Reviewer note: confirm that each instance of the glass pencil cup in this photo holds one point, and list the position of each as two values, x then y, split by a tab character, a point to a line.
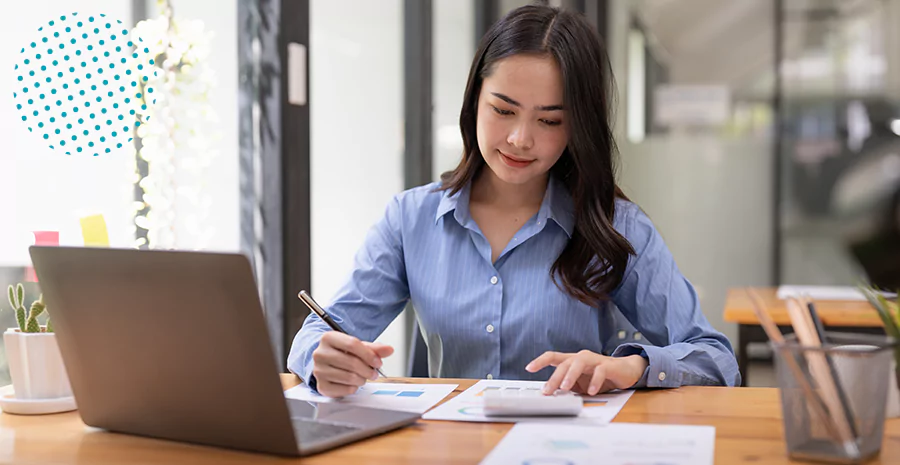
834	397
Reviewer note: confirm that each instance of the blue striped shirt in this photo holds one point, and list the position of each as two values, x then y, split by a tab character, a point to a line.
488	320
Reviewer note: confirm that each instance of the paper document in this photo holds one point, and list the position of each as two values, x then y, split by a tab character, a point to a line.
613	444
847	293
821	292
416	398
469	405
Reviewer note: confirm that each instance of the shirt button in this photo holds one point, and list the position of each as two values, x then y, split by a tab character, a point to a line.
494	280
662	376
490	328
622	334
637	336
490	376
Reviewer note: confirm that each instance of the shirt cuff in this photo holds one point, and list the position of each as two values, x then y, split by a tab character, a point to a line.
304	368
661	371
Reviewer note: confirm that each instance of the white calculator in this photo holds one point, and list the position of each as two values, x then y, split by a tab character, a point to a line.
530	402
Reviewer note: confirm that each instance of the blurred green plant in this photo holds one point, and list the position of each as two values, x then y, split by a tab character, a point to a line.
889	312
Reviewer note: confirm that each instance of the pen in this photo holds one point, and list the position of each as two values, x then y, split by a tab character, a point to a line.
315	308
820	328
823	339
822	371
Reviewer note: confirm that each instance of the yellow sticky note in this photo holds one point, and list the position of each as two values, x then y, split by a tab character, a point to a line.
93	228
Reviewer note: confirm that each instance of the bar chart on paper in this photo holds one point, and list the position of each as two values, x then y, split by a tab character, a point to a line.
416	398
469	406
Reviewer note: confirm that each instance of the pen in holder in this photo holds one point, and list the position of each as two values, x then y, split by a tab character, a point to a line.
846	377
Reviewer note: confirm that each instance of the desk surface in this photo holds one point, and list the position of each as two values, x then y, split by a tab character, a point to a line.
747	420
738	309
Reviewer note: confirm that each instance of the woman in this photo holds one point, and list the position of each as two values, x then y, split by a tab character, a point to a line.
513	260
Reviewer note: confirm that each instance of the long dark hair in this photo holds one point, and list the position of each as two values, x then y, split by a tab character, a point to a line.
593	262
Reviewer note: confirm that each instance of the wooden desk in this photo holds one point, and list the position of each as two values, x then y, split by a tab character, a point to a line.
841	316
747	420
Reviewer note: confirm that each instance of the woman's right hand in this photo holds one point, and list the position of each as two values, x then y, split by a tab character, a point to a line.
343	363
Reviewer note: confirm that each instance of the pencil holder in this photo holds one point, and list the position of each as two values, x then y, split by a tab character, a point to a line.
834	397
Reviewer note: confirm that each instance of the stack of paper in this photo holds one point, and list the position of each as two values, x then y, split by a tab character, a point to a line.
845	293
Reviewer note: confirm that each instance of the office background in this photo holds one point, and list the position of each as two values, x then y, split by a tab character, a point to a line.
753	177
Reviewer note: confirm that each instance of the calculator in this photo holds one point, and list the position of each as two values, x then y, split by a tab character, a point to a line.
530	402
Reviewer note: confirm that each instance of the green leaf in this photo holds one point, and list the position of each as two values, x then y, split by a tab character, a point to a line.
886	305
20	318
32	326
21	291
36	309
896	307
876	300
12	297
49	325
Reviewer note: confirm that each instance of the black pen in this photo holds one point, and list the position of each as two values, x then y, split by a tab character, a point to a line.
820	328
315	308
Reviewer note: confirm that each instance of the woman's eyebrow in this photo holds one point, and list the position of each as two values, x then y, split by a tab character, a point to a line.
517	104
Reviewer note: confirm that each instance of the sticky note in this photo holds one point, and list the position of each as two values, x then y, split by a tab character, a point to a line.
46	238
93	228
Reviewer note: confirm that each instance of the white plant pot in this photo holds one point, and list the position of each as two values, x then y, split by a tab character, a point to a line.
35	365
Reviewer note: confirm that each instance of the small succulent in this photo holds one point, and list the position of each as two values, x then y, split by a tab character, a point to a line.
29	323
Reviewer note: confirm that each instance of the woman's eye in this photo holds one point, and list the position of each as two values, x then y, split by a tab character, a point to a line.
550	122
501	112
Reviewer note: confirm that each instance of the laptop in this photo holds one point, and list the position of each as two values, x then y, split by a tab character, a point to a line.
173	345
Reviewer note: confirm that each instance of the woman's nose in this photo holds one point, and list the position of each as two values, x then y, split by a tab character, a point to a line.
521	138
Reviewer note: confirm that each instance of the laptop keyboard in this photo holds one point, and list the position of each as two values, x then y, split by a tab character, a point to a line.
311	430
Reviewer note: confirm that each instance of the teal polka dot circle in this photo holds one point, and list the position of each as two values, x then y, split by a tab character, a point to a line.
75	67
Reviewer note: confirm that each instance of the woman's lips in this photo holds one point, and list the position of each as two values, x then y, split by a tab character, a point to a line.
514	162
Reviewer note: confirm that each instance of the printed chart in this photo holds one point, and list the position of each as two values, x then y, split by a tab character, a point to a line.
416	398
613	444
469	406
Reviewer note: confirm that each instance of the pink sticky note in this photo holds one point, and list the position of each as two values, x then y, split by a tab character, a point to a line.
50	238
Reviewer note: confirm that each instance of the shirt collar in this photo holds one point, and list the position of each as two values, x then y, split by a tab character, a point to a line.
458	203
556	206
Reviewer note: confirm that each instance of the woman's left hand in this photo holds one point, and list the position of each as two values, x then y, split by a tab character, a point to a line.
589	373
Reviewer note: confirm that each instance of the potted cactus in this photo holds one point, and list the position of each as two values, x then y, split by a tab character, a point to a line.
35	364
